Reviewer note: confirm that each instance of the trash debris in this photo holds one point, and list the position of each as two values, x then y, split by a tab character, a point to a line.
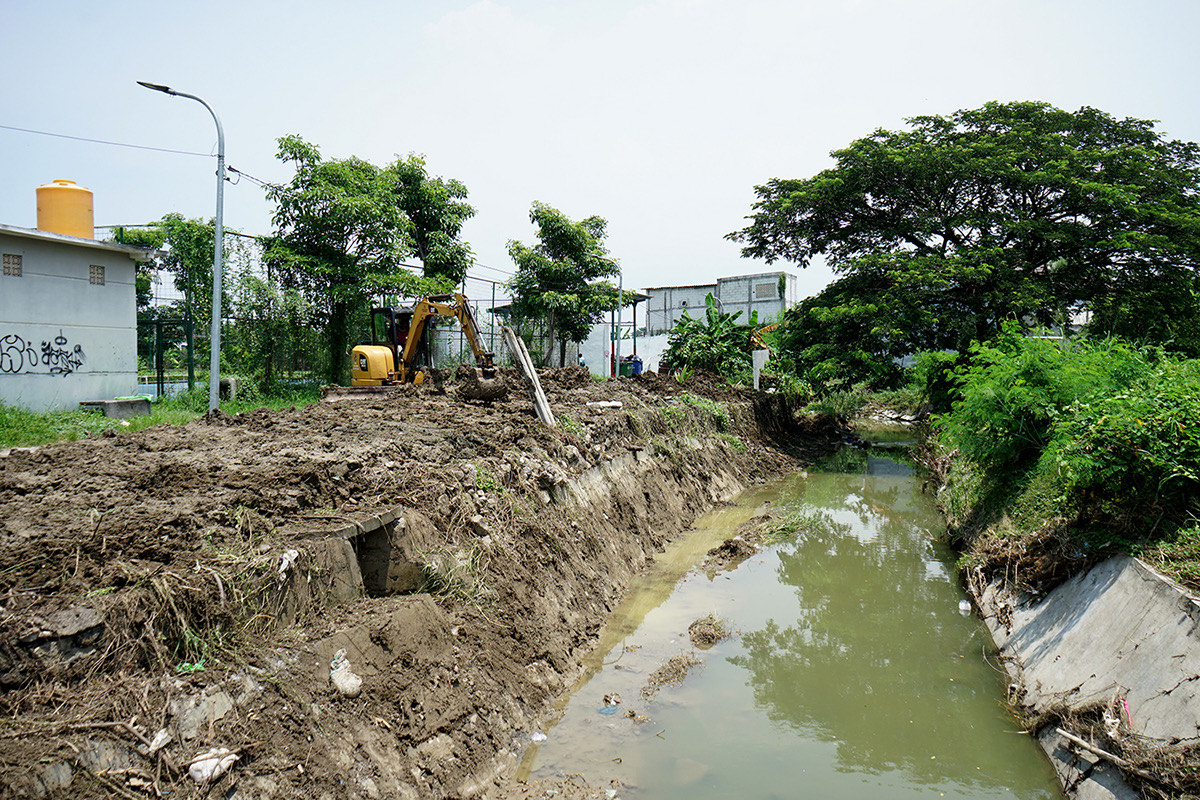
538	737
607	711
612	699
606	404
286	561
347	683
964	607
207	767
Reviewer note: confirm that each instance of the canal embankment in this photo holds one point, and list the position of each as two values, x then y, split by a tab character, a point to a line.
1110	657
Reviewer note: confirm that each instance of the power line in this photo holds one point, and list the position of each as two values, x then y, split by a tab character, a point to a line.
102	141
259	181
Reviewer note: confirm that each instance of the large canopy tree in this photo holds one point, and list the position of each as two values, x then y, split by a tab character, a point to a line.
558	279
437	210
1012	211
340	235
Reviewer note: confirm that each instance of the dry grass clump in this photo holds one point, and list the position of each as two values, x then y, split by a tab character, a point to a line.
1159	770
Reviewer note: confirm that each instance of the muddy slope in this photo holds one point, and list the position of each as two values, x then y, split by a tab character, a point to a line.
172	592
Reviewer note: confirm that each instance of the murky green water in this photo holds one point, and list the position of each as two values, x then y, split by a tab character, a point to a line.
853	673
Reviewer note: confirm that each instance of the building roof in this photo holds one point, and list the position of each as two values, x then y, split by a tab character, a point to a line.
135	253
506	309
773	274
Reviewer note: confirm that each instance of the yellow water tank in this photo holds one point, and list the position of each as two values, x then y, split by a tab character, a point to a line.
65	207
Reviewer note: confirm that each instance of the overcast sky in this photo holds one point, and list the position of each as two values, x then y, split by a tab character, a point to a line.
659	115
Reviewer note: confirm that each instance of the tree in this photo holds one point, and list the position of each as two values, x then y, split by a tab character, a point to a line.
436	209
340	234
558	278
187	255
714	342
1015	211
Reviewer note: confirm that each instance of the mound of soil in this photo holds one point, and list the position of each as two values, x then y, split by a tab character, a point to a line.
707	631
672	672
184	588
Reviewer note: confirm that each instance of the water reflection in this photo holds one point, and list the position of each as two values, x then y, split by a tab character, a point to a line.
875	656
853	675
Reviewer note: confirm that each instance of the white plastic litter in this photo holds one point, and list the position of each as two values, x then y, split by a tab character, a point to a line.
606	403
346	682
538	737
207	767
964	608
286	561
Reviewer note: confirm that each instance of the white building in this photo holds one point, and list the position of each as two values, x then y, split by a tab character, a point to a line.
68	319
768	293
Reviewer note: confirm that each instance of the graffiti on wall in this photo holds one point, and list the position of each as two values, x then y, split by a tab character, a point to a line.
57	357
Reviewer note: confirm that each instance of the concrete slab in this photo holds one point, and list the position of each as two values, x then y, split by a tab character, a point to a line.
122	408
1121	630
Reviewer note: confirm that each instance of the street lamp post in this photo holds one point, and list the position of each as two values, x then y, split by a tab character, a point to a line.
214	362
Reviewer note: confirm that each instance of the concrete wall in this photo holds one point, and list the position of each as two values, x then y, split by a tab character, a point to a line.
760	292
667	304
1122	631
62	338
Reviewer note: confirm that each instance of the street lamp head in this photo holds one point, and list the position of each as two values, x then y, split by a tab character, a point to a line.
158	87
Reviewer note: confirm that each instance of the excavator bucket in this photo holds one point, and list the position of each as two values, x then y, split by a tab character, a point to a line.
477	384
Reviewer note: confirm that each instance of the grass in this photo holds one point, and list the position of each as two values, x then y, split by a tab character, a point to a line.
719	413
20	427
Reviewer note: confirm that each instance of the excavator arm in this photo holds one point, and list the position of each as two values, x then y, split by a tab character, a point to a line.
486	386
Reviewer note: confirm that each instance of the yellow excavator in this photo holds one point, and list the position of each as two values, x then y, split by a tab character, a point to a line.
397	341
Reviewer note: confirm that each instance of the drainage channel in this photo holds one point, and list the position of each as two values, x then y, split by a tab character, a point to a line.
852	671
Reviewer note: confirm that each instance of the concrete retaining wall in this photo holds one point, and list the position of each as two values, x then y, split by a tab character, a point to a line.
1121	629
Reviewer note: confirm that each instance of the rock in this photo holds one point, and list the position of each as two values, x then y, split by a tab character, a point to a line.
478	527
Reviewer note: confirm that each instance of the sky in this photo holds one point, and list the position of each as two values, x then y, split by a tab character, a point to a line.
659	115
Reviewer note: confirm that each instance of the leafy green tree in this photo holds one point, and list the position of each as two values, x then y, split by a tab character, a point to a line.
1016	211
714	342
437	210
340	234
557	279
187	255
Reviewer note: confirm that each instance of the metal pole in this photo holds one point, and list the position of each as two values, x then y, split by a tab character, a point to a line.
214	363
617	343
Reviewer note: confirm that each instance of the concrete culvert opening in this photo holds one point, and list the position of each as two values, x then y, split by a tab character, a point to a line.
383	549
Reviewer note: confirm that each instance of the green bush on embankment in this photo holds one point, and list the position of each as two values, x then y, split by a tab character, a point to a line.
1055	454
20	427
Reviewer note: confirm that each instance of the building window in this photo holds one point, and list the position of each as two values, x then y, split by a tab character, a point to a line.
96	274
764	291
12	265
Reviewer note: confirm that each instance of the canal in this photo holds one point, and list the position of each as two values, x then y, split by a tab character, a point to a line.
851	670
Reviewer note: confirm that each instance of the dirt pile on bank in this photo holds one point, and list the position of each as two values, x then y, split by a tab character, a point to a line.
180	589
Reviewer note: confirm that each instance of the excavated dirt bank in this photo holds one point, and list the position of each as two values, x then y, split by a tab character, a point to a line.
168	593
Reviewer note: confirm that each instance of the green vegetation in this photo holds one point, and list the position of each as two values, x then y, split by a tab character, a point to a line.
20	427
1009	212
716	411
559	279
341	236
714	342
1057	453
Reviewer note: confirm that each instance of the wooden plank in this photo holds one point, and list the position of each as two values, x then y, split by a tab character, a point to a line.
521	355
